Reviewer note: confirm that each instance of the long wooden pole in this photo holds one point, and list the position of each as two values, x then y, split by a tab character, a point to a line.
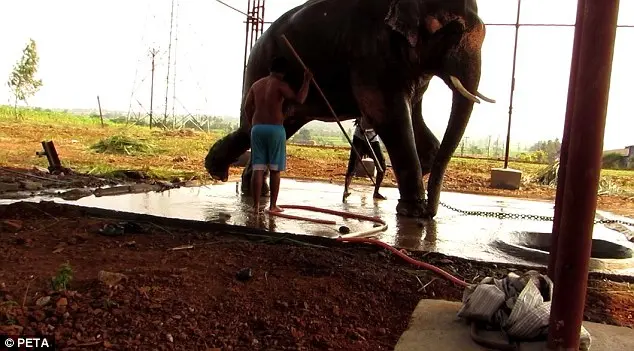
332	111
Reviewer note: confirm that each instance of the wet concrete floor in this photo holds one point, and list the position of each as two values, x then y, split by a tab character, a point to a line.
451	233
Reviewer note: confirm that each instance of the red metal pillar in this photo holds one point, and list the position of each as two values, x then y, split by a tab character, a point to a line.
584	168
565	140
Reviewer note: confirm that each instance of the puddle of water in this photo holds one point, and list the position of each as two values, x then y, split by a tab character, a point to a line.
450	233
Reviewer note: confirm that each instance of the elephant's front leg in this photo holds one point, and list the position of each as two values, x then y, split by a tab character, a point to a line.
390	115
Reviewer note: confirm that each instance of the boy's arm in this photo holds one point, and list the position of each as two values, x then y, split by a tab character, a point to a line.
303	91
249	108
301	95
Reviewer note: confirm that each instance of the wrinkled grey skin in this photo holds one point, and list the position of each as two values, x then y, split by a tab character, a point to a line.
375	58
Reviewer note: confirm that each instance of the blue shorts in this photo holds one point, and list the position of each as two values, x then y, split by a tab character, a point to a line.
268	147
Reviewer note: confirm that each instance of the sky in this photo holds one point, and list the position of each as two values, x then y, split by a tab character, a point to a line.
101	47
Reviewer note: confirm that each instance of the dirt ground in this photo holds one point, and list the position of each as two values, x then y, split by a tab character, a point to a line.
133	291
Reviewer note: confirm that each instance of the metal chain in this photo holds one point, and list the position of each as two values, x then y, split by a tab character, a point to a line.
506	215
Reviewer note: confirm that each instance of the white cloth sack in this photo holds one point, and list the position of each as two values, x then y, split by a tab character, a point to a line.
519	306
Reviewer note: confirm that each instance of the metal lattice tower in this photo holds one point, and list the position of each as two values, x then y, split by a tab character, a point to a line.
254	28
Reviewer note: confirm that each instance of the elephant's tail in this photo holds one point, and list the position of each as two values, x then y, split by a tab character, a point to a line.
224	152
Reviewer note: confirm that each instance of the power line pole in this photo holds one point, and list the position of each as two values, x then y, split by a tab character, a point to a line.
169	58
153	53
489	147
174	80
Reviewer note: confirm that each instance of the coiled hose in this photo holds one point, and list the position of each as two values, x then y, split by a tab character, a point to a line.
356	237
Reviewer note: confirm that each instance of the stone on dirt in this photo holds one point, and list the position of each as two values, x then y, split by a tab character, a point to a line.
75	194
43	301
4	187
31	186
244	274
110	278
41	169
506	178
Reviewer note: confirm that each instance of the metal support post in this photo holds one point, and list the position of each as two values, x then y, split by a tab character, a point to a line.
565	141
584	167
508	130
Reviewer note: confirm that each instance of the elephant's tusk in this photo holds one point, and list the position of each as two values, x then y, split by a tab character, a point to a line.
478	94
461	89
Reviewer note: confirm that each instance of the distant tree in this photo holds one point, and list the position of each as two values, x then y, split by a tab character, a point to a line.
550	148
475	150
303	135
614	161
22	81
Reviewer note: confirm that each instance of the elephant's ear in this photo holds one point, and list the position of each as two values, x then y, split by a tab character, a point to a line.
404	16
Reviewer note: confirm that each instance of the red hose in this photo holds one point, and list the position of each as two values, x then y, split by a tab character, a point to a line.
407	259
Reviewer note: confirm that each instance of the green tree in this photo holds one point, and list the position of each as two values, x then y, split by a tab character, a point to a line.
550	148
303	135
22	81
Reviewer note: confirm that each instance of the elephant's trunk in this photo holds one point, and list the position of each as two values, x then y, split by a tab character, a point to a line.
226	151
461	109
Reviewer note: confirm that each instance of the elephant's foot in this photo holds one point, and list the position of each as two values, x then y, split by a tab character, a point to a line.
246	189
412	208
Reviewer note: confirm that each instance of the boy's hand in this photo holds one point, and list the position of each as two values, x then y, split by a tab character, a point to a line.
307	76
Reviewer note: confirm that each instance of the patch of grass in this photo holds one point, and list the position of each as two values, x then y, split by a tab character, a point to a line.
123	145
74	135
181	153
63	278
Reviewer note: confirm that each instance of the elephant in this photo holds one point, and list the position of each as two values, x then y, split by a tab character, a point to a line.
375	59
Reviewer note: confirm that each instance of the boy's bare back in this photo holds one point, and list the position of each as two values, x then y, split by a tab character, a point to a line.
268	96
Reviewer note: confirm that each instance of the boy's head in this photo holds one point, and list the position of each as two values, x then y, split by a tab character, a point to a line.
279	65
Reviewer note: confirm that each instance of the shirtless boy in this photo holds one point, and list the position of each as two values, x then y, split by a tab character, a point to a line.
263	108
